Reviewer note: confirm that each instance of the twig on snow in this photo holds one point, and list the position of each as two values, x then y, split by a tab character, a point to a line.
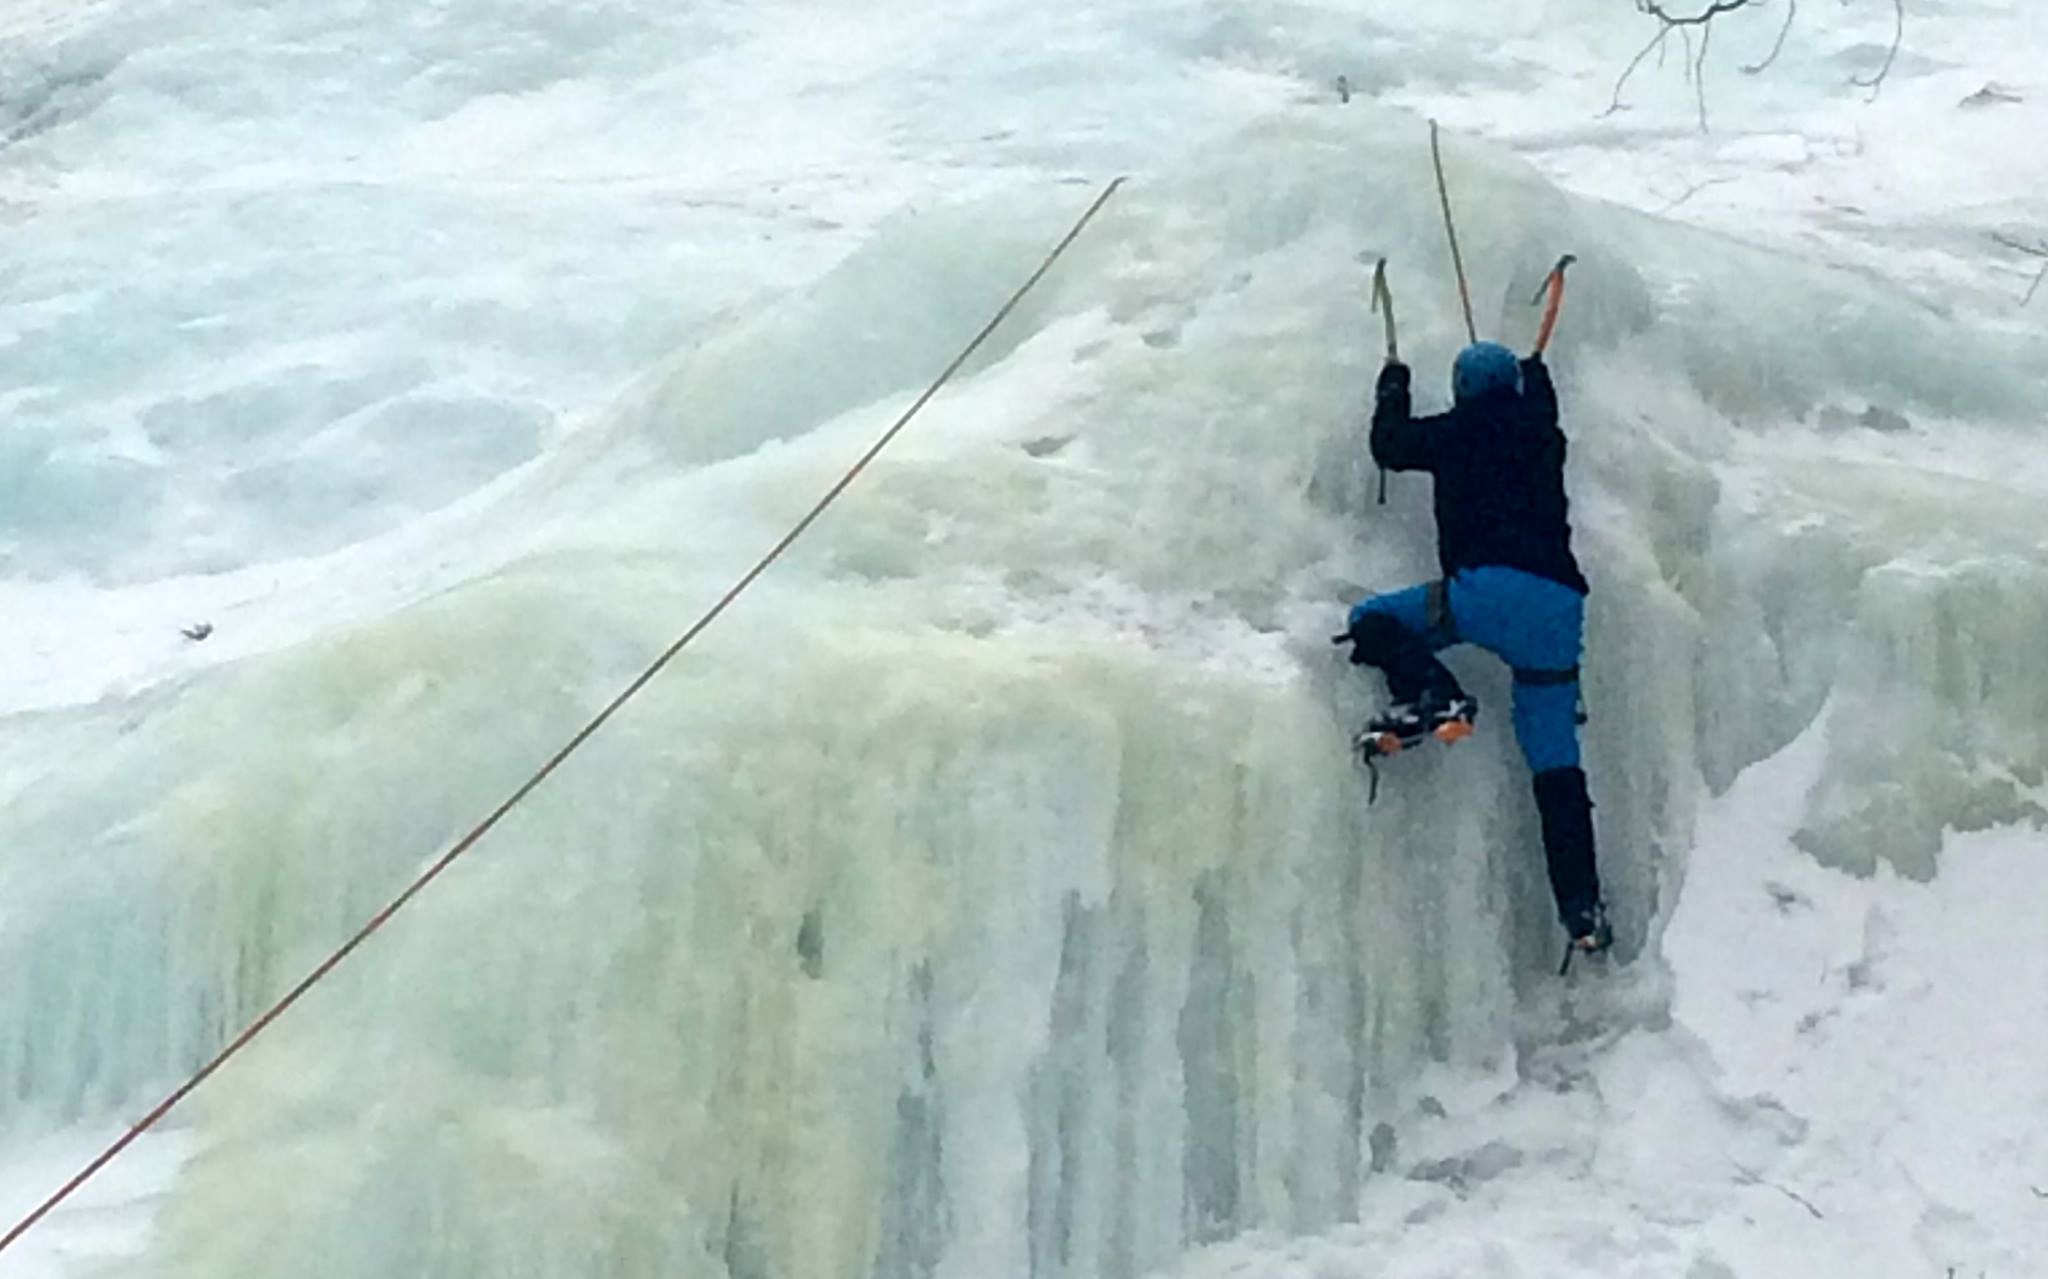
1799	1199
1748	1178
2039	250
1695	189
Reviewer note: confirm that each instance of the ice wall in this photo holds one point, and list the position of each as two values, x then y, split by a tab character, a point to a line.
990	894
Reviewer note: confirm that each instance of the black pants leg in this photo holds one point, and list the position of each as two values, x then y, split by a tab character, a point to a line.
1567	813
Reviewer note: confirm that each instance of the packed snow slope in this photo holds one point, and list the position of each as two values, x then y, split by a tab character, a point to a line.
990	893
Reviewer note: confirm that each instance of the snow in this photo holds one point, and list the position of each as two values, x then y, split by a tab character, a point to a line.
988	894
1849	1082
108	1219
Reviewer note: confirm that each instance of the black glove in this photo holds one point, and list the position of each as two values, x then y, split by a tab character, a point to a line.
1393	377
1351	637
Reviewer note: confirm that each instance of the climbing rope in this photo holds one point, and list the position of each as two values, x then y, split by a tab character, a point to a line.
483	827
1443	191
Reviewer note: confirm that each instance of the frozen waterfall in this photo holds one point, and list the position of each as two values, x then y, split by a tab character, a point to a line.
991	894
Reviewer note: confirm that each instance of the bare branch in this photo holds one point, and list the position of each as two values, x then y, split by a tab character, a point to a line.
1695	189
2039	250
1799	1199
1701	19
1695	58
1656	43
1699	73
1876	83
1791	12
1748	1177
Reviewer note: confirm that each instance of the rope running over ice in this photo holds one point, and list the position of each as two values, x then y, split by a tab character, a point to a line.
1443	191
482	828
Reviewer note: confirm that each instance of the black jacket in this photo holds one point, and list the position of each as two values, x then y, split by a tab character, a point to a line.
1499	467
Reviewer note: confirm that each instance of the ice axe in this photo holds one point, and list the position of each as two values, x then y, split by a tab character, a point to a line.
1553	286
1383	299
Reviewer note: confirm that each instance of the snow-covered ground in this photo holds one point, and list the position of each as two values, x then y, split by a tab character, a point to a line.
109	1217
433	353
1848	1083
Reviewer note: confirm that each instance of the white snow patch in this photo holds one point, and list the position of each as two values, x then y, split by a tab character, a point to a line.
109	1217
1850	1086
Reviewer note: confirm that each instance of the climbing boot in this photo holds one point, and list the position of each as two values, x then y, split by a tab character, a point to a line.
1447	718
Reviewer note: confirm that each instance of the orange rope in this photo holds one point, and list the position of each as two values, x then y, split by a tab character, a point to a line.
1443	190
482	828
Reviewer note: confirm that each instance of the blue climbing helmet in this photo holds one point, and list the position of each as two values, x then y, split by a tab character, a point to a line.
1483	368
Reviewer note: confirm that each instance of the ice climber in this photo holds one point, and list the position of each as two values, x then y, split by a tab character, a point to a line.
1510	585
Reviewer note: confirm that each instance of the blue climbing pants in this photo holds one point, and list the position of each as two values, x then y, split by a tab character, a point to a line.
1535	625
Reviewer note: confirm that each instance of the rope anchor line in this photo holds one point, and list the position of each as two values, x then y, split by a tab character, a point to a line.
1552	288
476	833
1443	191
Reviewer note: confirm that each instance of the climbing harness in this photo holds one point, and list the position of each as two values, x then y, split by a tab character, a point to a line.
476	833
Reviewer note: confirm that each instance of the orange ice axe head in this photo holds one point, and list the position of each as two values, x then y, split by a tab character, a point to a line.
1553	287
